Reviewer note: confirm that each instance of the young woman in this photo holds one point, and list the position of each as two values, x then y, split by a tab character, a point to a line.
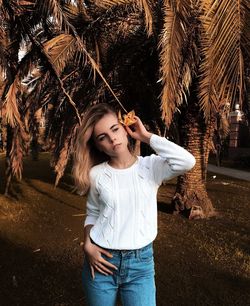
121	221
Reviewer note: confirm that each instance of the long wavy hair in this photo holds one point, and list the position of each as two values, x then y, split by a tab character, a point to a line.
86	155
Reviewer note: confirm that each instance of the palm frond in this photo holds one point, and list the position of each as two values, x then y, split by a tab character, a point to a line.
34	99
105	4
3	61
53	10
62	160
174	35
245	40
53	66
61	50
11	105
18	150
18	8
76	13
57	50
223	67
97	69
143	5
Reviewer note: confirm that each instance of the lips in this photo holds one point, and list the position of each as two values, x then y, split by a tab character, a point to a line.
116	146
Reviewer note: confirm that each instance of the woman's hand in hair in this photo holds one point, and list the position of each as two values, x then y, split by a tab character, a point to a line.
138	131
96	261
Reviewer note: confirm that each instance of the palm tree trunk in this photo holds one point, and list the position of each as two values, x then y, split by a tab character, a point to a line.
191	198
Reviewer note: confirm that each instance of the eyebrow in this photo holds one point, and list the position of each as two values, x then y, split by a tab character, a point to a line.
109	128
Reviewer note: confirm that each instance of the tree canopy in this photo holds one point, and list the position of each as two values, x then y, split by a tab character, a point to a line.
147	55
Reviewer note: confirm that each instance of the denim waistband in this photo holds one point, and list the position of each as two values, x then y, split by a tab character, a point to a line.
114	251
123	252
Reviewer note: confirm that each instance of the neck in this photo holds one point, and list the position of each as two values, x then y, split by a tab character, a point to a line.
122	162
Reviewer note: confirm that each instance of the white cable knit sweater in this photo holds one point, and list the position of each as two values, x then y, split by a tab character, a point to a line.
122	203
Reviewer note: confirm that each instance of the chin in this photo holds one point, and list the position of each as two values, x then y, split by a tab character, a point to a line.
119	150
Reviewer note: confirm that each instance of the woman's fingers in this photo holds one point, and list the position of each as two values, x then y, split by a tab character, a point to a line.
101	268
98	263
105	261
105	253
137	119
136	127
108	264
132	130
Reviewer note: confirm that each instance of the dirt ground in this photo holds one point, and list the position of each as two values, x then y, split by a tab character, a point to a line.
197	262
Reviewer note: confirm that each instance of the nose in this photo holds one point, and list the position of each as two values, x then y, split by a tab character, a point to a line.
112	138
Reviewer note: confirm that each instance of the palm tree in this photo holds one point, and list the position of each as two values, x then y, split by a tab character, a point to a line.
10	34
80	50
66	42
202	66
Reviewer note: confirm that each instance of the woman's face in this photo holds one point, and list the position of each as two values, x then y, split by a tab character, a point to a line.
110	136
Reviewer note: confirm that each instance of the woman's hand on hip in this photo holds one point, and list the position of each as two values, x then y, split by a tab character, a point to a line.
138	131
96	261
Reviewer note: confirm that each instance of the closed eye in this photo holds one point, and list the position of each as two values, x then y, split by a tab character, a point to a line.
115	129
101	138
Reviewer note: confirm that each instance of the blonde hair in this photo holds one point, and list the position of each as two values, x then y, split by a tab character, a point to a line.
86	155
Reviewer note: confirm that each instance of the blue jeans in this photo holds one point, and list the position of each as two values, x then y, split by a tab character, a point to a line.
134	279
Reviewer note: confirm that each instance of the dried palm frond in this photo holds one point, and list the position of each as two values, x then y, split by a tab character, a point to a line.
54	68
12	102
19	8
34	99
52	9
61	50
3	61
19	149
64	145
245	38
105	4
144	5
11	105
76	12
3	44
174	36
222	69
61	163
29	69
116	24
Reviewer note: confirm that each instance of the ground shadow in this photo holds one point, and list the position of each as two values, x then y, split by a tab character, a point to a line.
50	196
165	207
33	278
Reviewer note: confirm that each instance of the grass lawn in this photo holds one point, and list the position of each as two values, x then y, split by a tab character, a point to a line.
202	262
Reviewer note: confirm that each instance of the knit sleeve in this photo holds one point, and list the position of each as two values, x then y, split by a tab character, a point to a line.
92	204
171	159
